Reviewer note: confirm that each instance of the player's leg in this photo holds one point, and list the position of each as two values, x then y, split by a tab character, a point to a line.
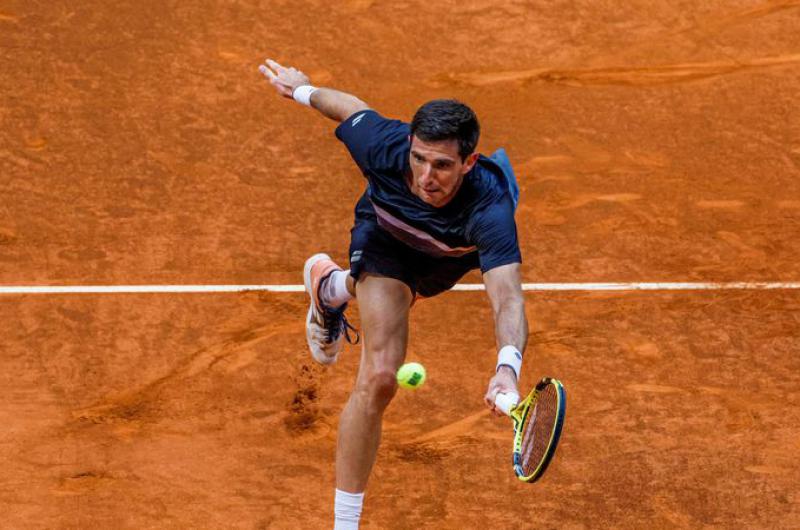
384	305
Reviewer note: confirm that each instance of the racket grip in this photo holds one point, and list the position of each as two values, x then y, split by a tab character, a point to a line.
506	402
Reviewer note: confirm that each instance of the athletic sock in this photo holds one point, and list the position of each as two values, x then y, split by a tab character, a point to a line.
333	293
347	510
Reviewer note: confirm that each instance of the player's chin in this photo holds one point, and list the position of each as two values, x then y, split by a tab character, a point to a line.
434	198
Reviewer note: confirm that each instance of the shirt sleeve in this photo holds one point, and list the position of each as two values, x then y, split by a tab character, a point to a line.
494	232
375	143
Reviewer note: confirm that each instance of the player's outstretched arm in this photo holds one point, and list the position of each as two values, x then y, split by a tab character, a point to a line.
332	103
503	284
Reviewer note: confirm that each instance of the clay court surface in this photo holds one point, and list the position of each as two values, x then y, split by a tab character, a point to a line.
139	145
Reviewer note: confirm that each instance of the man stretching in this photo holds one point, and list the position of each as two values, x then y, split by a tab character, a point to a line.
433	210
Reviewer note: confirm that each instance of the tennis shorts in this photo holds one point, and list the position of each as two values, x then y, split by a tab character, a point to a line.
374	250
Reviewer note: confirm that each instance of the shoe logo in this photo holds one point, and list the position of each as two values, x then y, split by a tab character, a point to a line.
356	256
357	120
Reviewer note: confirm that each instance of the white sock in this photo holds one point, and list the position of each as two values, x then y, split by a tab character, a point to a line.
347	509
333	292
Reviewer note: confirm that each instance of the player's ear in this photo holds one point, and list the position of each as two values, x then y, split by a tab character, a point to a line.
469	163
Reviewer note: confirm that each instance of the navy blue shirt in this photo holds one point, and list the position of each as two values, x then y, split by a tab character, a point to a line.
479	218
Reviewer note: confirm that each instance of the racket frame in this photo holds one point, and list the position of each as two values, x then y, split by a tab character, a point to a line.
520	413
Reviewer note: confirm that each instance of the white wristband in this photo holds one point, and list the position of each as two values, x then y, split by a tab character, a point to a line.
302	94
511	357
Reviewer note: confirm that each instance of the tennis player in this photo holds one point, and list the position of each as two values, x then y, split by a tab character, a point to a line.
433	210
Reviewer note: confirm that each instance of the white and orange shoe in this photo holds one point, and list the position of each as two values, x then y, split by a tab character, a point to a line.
325	327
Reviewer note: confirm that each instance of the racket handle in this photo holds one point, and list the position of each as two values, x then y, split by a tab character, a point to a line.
506	402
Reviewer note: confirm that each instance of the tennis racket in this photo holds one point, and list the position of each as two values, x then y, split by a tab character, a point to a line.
538	420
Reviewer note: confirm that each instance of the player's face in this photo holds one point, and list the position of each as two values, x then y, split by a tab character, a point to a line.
437	170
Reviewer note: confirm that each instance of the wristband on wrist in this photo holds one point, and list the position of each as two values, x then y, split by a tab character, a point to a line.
302	94
511	357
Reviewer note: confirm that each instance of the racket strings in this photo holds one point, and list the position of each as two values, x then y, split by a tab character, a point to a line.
538	429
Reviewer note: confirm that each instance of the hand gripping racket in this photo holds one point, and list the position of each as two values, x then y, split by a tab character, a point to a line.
538	420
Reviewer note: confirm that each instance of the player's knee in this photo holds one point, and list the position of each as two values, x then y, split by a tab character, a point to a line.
381	387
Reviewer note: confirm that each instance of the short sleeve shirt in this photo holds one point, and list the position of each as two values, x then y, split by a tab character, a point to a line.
480	218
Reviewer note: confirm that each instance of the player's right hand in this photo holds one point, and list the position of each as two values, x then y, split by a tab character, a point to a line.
284	79
503	381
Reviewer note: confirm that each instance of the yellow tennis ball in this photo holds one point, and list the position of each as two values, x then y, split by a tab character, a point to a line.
411	375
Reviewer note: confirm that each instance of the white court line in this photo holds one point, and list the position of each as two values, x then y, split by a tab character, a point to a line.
642	286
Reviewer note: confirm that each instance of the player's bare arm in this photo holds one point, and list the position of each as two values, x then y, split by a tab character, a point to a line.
333	104
503	284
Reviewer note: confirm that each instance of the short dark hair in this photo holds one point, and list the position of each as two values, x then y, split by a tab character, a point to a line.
447	119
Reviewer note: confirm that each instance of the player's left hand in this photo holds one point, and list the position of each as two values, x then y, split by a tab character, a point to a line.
284	79
503	381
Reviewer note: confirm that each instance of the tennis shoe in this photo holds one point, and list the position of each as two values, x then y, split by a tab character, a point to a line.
326	327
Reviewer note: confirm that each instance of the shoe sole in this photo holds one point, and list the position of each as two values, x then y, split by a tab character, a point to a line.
310	262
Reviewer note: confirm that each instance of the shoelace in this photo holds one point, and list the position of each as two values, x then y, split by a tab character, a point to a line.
335	323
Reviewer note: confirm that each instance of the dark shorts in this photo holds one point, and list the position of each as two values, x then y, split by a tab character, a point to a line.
374	250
